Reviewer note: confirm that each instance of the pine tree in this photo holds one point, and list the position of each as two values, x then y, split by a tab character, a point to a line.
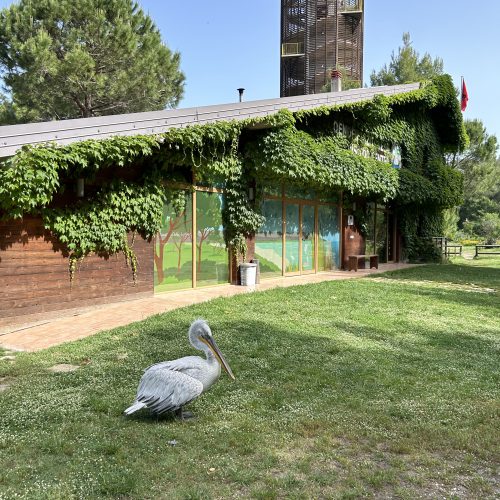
407	66
80	58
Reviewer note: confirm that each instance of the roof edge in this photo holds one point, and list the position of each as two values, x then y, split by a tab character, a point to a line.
62	132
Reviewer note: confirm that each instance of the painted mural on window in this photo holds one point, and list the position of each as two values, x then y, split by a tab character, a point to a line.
212	266
292	238
269	239
173	249
329	238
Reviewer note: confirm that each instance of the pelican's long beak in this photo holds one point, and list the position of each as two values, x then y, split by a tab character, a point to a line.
220	358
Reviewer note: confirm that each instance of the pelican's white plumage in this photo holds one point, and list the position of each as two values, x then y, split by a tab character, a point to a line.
169	385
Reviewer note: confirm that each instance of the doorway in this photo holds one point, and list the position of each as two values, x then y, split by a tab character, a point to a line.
300	238
300	234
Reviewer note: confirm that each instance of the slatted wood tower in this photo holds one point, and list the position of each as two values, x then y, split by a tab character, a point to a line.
316	36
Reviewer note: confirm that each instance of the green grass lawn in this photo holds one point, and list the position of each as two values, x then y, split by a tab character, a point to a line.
382	387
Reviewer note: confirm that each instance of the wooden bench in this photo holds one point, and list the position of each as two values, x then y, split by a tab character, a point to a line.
354	260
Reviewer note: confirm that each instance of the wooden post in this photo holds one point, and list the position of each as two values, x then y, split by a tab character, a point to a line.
195	240
283	237
316	237
300	238
340	213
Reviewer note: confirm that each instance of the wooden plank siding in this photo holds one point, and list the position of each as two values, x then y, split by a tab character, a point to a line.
34	275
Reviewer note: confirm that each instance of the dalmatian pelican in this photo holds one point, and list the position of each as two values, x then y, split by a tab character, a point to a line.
170	385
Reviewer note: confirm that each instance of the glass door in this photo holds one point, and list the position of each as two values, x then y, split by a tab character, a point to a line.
211	253
391	240
381	235
292	238
269	240
300	238
307	239
328	238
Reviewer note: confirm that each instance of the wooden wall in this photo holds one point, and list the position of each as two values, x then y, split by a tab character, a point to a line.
353	243
34	276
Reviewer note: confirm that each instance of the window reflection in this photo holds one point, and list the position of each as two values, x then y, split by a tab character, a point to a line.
173	249
212	258
381	236
269	239
329	238
307	237
370	237
292	238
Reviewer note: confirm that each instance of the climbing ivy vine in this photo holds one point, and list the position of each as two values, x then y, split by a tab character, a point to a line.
127	175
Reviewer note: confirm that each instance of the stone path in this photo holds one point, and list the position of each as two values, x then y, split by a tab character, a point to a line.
66	326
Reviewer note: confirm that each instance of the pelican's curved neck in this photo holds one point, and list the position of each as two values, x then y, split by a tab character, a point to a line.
198	344
199	327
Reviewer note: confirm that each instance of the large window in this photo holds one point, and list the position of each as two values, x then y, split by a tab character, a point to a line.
269	239
300	235
292	247
370	236
173	261
307	237
177	264
328	238
311	239
381	236
212	264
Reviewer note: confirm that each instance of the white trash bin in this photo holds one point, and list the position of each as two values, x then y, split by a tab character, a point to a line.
248	273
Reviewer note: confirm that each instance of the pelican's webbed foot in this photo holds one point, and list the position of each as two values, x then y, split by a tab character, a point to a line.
184	415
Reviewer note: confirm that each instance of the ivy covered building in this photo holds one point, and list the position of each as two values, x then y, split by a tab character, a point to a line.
101	209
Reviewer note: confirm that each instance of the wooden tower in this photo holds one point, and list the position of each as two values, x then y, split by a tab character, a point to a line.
317	36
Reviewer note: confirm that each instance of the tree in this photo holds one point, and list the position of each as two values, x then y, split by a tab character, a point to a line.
181	239
450	222
407	66
7	112
69	59
489	227
171	223
208	220
481	169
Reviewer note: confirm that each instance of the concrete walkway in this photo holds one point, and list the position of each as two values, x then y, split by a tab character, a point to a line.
66	326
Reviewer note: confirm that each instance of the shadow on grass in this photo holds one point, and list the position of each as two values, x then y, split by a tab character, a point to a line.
451	273
466	299
351	367
295	378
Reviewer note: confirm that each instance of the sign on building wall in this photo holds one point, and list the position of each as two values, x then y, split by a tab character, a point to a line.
396	156
367	149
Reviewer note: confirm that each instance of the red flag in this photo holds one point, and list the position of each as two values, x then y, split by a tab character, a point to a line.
465	95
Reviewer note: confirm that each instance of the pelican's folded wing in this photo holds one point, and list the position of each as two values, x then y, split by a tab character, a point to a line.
181	364
190	365
167	390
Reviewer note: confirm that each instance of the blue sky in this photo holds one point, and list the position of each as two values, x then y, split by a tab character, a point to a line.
226	44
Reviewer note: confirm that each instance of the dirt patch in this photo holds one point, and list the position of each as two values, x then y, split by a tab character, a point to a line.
7	358
63	368
4	384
